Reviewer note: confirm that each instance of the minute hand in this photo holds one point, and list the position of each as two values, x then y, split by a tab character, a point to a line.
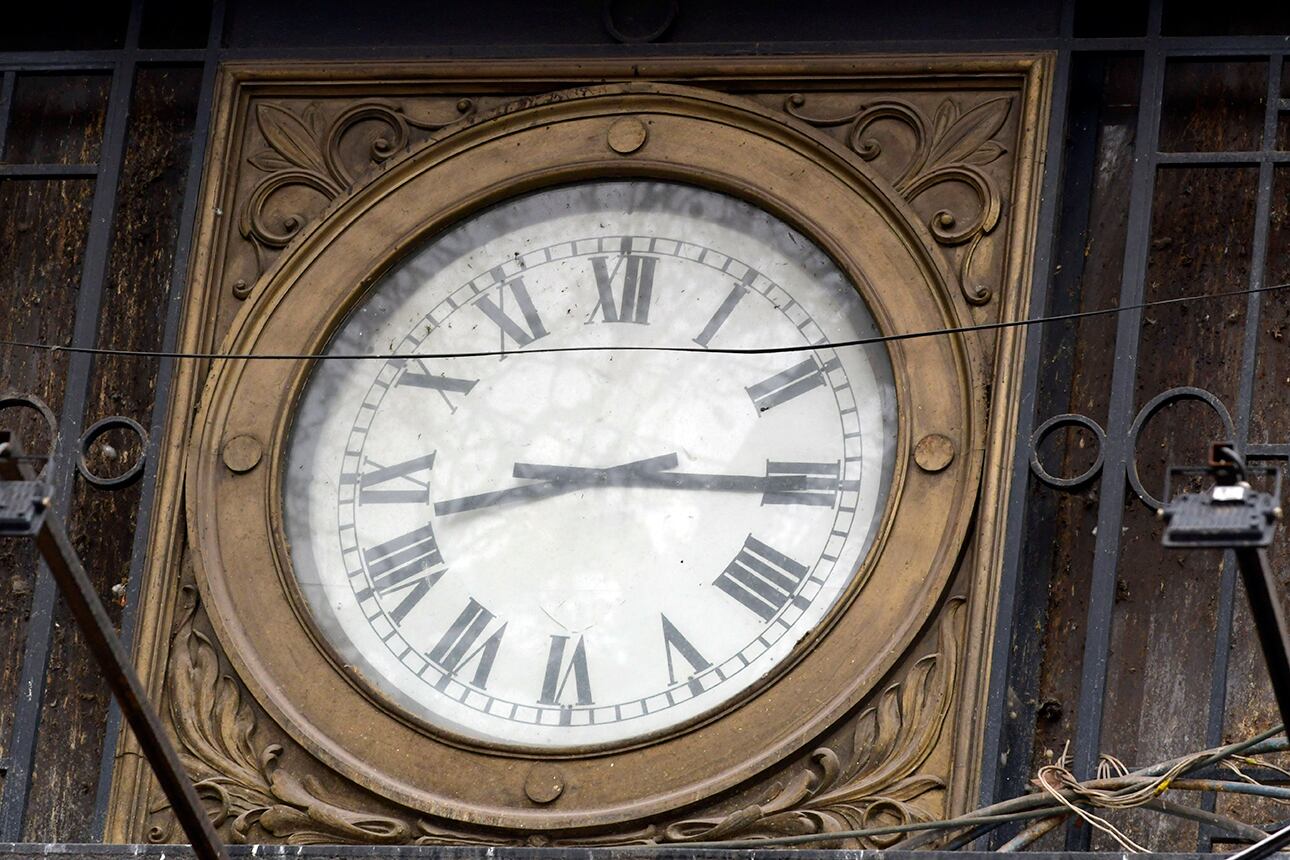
681	480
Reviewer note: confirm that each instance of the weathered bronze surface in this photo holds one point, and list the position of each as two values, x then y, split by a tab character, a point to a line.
916	175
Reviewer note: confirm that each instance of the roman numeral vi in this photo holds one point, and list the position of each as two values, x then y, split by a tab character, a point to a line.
559	672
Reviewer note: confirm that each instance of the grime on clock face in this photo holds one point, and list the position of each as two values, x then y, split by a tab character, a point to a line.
592	525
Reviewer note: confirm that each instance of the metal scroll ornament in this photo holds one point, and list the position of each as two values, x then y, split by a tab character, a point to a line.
950	149
877	781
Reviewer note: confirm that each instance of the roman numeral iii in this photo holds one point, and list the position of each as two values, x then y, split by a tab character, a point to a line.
762	578
637	288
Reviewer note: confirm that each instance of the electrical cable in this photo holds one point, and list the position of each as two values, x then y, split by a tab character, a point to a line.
767	350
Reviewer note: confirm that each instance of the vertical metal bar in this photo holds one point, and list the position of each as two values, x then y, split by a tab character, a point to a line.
1269	622
161	399
89	299
1001	669
7	82
1244	407
95	625
1110	511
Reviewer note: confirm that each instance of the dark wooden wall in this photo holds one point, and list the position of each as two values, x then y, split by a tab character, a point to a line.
96	181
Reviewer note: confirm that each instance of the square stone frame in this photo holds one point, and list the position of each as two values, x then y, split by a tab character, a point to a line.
984	114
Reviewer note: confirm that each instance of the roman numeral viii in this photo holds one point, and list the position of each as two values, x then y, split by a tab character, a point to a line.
410	561
460	644
560	670
524	330
637	289
396	484
762	578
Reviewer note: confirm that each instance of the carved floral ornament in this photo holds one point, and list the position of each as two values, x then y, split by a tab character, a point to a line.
305	152
950	148
875	779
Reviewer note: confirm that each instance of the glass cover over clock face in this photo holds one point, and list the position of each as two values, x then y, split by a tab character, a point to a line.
592	525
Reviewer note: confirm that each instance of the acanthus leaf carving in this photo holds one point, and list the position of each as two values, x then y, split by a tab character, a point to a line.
881	780
951	149
878	782
244	784
305	153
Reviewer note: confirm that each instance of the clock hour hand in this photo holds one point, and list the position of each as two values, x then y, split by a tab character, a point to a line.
554	486
782	483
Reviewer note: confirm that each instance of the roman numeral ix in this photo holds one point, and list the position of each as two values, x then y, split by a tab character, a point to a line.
762	578
396	484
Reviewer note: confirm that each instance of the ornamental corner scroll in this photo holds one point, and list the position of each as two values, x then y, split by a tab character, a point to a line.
304	151
953	147
876	775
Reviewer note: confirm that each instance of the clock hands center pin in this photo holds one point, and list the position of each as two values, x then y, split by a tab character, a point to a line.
554	486
801	478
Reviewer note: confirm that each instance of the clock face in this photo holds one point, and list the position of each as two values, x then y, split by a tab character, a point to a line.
564	517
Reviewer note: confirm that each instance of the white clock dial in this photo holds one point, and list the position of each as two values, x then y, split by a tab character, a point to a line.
588	533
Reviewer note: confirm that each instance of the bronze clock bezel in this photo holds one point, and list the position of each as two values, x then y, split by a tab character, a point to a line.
696	136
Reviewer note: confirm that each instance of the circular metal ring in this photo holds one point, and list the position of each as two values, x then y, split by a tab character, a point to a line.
97	429
12	399
1157	403
666	11
1067	420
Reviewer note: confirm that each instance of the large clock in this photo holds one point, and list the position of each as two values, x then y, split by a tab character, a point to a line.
591	526
601	496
